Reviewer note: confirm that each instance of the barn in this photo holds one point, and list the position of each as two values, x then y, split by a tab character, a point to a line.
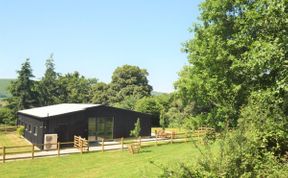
90	121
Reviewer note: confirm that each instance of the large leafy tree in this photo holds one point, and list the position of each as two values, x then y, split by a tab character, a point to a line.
100	93
23	89
151	106
240	47
129	81
237	74
74	88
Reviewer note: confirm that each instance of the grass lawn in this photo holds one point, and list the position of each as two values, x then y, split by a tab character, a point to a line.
107	164
11	138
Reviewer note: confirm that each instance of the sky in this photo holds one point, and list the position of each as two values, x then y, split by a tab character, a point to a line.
95	37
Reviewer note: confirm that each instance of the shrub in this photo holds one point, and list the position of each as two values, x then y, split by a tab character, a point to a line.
20	130
136	131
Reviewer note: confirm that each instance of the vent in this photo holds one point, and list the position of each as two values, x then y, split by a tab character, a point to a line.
50	141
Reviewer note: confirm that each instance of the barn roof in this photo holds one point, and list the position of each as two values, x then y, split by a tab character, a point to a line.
57	109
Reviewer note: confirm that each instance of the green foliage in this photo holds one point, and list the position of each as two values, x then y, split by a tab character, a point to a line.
264	120
20	130
151	106
23	89
74	88
47	87
129	81
100	93
164	122
128	103
7	116
240	47
237	156
237	77
137	129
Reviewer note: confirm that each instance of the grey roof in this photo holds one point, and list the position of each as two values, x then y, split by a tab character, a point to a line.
57	109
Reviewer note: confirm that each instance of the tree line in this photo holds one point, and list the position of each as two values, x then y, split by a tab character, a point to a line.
128	89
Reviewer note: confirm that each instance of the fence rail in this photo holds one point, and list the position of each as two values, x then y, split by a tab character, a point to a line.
101	145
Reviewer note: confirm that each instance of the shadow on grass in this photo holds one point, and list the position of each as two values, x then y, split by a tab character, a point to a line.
145	151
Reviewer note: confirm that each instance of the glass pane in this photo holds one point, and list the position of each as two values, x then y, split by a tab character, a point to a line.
92	129
105	127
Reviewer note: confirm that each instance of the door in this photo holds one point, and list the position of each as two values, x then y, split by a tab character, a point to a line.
104	127
100	127
62	132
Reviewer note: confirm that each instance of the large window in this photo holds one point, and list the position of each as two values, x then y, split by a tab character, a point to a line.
101	127
104	127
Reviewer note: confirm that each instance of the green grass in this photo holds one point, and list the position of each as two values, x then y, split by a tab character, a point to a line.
107	164
11	138
4	83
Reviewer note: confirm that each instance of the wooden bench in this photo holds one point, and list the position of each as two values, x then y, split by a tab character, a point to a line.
134	148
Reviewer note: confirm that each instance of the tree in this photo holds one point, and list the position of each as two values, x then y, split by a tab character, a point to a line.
137	129
74	88
129	81
237	76
100	93
7	116
151	106
127	103
164	122
240	47
23	89
47	87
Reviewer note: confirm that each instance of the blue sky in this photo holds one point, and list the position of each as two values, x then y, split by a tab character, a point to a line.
95	37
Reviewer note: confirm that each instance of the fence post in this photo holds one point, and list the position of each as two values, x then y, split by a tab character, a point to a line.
58	149
186	139
171	139
102	144
4	152
32	151
88	146
122	143
140	141
156	141
81	146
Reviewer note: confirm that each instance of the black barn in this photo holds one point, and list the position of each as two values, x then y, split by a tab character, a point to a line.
90	121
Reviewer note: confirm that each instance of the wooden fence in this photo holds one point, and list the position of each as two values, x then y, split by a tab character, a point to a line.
102	145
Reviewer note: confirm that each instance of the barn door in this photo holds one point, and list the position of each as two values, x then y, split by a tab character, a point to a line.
104	127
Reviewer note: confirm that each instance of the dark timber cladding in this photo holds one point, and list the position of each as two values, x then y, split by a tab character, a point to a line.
86	120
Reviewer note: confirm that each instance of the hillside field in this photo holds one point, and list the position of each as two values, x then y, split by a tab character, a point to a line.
4	83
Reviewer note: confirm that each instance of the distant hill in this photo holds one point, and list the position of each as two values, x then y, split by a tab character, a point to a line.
156	93
4	83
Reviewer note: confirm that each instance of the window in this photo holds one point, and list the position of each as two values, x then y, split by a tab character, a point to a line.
35	130
25	125
29	127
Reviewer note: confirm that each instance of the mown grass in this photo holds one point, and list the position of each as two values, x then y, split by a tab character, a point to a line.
9	137
107	164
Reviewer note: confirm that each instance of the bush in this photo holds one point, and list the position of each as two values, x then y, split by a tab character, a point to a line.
136	131
20	130
7	116
236	156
